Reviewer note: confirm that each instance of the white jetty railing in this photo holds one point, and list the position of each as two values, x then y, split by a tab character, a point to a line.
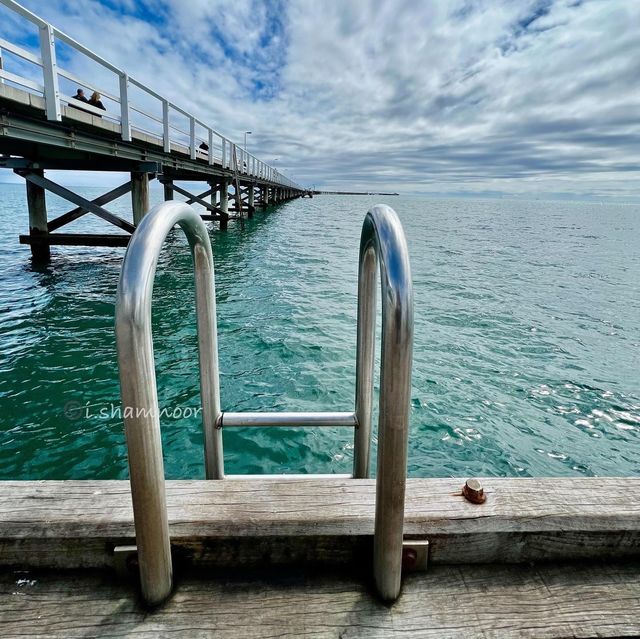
217	148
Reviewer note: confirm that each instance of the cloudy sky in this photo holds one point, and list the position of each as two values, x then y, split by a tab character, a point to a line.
526	97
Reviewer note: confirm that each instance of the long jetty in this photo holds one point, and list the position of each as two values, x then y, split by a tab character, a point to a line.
149	137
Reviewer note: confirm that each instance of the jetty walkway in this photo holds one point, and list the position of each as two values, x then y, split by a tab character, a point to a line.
42	126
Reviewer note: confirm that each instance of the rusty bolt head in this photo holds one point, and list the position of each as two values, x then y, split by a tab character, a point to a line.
409	558
473	491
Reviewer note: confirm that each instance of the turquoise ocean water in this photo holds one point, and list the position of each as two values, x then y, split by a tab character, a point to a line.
527	342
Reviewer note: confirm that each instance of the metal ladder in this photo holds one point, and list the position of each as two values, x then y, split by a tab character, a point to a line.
382	243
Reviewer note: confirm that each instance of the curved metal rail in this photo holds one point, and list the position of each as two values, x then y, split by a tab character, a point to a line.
382	241
138	382
382	244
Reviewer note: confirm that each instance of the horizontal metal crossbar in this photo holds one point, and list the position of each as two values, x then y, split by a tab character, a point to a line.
325	419
290	477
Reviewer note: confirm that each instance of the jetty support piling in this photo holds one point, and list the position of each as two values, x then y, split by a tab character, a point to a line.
139	195
214	193
37	205
251	200
224	204
168	191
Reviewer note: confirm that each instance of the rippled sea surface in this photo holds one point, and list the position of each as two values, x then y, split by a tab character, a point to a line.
527	343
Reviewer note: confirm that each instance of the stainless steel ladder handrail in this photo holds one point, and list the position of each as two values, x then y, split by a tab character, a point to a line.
138	381
382	243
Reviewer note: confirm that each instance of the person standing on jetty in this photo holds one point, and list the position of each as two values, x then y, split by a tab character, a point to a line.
96	102
80	96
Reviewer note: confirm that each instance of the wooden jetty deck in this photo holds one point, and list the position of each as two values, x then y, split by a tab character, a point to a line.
291	558
543	601
42	128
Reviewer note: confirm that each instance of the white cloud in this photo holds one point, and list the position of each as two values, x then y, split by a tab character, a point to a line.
513	96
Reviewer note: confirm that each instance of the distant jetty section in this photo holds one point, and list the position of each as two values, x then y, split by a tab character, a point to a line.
351	193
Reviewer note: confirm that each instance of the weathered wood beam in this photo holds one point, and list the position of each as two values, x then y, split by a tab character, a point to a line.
37	205
224	204
77	199
168	191
92	163
195	198
201	196
522	519
74	214
76	239
550	601
139	195
251	201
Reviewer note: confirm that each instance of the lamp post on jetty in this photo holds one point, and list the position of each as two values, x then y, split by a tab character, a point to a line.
246	133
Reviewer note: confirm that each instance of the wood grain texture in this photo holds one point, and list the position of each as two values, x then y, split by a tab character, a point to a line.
542	602
522	519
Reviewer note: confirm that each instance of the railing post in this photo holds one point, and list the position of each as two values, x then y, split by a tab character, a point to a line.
166	131
383	242
224	153
125	124
210	147
192	138
50	73
1	67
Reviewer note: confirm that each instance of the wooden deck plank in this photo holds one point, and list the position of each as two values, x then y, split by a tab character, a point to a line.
316	507
542	601
77	524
